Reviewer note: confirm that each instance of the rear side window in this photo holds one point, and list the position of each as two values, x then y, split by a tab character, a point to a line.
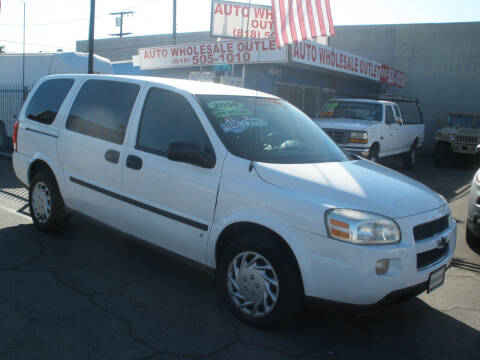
168	117
102	109
48	98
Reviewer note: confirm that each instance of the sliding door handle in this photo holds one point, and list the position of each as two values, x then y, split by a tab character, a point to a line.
134	162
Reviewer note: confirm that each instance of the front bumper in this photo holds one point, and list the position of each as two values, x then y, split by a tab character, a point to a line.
344	272
473	221
469	149
365	152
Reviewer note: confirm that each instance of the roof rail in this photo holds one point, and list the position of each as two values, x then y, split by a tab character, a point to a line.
386	97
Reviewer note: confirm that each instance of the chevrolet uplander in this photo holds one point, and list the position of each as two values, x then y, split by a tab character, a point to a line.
237	180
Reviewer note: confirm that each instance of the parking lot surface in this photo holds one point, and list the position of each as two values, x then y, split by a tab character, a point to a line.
90	293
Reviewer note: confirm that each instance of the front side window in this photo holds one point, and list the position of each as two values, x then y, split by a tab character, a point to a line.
102	109
168	117
351	110
268	130
47	100
388	114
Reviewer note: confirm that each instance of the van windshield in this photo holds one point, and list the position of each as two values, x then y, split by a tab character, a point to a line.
352	110
268	130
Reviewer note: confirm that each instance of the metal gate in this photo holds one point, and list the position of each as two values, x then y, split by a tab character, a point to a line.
308	99
11	101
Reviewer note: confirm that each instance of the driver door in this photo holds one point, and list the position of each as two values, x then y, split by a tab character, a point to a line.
171	204
390	144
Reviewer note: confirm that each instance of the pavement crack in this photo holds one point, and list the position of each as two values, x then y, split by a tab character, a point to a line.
42	250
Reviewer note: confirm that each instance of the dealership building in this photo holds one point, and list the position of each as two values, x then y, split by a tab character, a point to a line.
438	63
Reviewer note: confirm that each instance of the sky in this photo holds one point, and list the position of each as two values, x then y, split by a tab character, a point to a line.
57	24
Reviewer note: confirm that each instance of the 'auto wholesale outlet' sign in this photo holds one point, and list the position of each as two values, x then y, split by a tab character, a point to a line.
235	20
212	53
326	57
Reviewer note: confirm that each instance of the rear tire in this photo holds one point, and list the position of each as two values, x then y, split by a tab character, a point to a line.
441	151
47	208
248	285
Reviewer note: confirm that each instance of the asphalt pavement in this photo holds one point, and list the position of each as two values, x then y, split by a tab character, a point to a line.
90	293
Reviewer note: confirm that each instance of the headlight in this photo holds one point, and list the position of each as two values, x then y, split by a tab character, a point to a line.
360	227
451	137
477	177
358	137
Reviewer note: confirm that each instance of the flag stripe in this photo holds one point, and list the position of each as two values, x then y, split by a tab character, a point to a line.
313	14
283	19
301	20
277	23
324	18
308	20
297	20
291	20
329	16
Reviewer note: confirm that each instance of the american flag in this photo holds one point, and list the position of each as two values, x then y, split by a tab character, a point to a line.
297	20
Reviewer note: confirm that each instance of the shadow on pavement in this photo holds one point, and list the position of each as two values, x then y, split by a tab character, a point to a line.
109	297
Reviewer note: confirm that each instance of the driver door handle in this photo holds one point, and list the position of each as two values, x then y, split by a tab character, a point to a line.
112	156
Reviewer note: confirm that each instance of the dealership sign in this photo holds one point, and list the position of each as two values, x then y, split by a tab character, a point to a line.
326	57
237	20
212	53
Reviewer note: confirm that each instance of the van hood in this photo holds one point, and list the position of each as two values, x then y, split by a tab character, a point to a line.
359	184
344	123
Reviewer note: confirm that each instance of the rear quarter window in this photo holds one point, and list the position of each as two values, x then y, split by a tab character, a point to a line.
47	100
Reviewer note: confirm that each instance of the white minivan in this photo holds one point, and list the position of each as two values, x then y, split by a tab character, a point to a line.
234	179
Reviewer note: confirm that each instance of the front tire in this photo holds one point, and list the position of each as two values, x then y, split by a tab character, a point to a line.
259	280
410	157
46	204
374	151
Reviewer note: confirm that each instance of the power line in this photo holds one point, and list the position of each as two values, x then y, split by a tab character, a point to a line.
78	19
34	44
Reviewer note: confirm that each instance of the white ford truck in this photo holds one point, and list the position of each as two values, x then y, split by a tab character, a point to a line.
374	128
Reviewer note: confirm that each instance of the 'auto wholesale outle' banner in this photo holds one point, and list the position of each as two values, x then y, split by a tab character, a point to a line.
212	53
326	57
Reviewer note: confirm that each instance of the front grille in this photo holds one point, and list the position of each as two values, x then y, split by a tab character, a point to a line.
430	257
339	136
426	230
466	139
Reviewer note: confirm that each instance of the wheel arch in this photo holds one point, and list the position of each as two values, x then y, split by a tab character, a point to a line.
233	230
41	163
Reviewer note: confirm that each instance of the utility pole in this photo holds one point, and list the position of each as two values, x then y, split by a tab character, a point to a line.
90	36
174	31
119	21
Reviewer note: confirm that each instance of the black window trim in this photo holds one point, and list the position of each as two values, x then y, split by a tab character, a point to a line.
140	121
130	118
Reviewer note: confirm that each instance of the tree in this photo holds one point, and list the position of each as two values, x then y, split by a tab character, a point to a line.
2	49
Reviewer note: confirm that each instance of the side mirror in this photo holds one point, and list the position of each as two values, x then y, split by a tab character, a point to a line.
191	154
398	121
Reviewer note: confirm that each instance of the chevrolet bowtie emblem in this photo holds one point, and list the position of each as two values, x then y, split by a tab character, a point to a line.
442	243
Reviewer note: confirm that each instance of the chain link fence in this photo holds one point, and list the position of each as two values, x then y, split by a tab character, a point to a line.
11	101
